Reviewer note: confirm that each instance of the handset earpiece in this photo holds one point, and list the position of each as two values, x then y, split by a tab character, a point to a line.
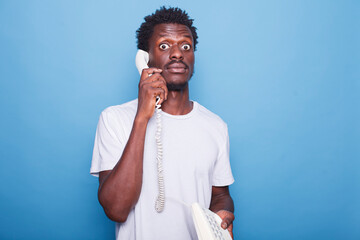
141	60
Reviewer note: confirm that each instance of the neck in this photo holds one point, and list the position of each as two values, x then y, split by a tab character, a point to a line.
177	102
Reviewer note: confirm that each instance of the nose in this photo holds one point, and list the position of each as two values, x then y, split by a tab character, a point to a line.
176	53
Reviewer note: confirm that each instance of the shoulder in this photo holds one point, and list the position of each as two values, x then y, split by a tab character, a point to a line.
211	118
120	113
128	107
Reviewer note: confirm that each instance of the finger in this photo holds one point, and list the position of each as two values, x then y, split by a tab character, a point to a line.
225	223
153	70
146	72
166	89
159	92
227	218
152	78
160	83
165	92
156	84
164	86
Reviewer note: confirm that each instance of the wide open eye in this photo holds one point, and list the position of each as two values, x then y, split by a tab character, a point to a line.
186	47
164	46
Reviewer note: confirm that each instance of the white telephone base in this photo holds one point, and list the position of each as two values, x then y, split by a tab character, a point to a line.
207	224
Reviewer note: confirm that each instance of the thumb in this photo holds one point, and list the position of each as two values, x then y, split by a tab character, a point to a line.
225	223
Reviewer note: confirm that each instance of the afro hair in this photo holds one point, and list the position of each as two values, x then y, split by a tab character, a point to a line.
163	15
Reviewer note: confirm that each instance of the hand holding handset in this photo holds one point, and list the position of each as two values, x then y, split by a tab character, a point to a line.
141	61
207	223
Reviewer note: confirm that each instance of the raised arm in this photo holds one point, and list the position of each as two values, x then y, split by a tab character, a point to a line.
223	205
119	188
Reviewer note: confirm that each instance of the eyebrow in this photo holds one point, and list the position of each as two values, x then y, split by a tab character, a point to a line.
166	35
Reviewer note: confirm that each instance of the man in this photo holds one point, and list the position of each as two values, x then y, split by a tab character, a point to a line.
195	142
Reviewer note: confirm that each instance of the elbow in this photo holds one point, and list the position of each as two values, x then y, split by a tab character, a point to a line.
115	212
116	216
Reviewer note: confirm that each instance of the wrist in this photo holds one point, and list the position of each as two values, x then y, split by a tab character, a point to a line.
141	120
224	210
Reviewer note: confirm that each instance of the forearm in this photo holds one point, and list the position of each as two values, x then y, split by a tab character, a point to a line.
120	189
223	205
222	201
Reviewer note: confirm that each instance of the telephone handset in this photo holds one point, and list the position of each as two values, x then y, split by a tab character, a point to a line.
141	60
207	223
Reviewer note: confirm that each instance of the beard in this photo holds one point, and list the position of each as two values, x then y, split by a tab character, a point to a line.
176	87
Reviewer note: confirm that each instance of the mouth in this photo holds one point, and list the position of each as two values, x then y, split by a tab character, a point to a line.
176	67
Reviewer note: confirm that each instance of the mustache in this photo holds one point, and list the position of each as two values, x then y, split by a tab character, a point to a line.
175	61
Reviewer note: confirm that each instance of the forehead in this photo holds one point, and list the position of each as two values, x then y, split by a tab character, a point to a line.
171	31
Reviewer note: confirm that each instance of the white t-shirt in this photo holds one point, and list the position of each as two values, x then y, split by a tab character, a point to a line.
195	158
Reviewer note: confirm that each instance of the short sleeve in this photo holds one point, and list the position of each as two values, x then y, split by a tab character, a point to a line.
222	175
108	147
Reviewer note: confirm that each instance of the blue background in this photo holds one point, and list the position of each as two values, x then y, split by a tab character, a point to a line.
284	75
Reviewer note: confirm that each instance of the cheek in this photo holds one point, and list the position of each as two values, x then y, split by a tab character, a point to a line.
158	59
154	57
191	61
164	59
151	62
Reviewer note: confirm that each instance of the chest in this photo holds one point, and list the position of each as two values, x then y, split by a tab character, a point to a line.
189	147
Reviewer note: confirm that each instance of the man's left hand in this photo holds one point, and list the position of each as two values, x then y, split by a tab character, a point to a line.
227	220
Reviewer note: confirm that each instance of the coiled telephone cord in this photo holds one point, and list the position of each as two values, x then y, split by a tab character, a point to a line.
160	201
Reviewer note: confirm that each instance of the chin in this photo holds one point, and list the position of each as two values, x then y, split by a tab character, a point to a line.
176	86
